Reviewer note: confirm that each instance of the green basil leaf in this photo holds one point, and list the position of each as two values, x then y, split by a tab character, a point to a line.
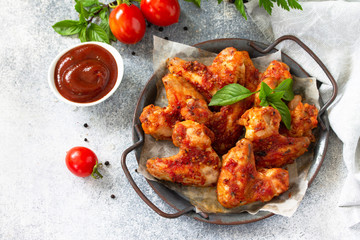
78	6
103	14
265	90
276	96
82	34
284	112
105	25
264	102
88	3
96	33
273	97
286	86
196	2
83	13
230	94
239	4
95	9
67	27
220	1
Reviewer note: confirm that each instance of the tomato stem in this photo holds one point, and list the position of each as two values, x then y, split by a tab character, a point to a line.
96	174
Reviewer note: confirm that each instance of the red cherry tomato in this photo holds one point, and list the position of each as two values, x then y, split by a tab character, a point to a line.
161	12
127	23
82	162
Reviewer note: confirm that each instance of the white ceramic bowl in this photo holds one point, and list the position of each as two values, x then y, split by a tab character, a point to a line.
119	63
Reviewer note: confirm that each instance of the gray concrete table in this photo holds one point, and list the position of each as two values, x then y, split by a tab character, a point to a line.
41	199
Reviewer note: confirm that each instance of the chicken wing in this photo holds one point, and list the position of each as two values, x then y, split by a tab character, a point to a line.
278	70
196	164
303	119
271	149
278	150
260	122
240	183
159	122
230	66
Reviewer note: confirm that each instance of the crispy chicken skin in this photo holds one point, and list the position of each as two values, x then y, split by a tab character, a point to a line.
196	164
178	90
271	149
240	183
260	122
181	95
303	119
278	70
229	66
159	122
225	127
278	150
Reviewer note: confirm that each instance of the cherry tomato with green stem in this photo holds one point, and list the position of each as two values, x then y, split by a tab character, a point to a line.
82	162
161	12
127	23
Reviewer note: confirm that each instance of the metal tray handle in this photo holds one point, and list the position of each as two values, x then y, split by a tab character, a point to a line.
136	188
316	58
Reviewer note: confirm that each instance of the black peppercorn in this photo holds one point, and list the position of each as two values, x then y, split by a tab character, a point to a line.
112	196
85	139
185	28
107	163
161	29
86	125
133	53
166	38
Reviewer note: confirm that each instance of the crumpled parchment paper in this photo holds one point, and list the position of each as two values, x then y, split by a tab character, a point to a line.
331	29
204	198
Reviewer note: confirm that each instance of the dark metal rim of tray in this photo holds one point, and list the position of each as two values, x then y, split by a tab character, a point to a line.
181	205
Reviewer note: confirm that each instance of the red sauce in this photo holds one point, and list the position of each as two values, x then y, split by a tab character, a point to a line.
86	73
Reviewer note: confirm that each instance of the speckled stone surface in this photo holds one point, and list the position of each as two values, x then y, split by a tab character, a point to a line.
41	199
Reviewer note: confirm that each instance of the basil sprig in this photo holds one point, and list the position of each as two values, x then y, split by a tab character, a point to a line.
84	27
233	93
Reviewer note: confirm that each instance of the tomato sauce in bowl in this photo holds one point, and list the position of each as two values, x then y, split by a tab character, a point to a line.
85	73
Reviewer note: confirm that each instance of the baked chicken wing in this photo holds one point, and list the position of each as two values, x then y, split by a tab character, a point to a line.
240	183
271	149
230	66
196	164
278	70
159	122
303	119
184	102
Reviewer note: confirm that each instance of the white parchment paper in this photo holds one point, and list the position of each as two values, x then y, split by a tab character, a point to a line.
204	198
332	30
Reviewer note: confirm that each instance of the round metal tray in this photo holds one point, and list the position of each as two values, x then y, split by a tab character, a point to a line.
183	206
